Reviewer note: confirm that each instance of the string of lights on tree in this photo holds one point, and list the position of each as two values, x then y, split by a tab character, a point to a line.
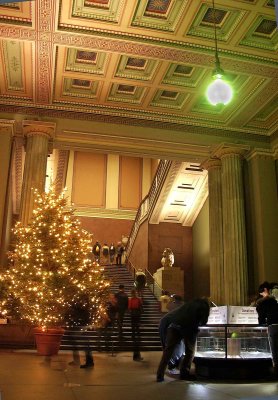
52	280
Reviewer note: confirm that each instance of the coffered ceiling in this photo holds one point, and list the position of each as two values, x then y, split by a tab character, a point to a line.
141	62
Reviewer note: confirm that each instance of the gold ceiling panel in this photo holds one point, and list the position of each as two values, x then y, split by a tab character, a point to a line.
170	99
80	88
262	34
124	93
162	15
136	68
104	10
16	13
183	75
146	61
16	73
226	19
91	62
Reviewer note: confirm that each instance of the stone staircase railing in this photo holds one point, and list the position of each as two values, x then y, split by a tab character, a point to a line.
147	204
151	282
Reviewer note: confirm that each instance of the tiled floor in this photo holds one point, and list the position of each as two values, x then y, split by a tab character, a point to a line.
26	376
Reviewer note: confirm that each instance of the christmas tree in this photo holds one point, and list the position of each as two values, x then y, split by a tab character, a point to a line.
51	274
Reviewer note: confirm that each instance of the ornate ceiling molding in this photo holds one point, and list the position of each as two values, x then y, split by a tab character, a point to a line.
160	123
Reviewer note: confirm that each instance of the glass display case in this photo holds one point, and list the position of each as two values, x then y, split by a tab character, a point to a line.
233	351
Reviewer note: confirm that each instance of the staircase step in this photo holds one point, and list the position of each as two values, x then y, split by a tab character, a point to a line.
80	338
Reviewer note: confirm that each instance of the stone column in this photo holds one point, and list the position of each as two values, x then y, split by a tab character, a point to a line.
38	135
215	230
263	217
234	232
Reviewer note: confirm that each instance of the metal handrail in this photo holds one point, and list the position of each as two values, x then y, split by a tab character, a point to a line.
155	288
153	285
147	204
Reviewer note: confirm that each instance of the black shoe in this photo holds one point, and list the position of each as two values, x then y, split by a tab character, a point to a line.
187	377
159	379
87	365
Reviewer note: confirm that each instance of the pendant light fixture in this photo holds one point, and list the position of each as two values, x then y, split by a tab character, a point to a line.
219	91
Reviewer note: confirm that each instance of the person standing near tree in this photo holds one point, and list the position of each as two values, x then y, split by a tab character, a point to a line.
122	302
112	252
109	319
105	253
96	251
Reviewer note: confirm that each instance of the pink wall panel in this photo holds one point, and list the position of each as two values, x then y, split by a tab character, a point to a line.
89	179
130	185
106	230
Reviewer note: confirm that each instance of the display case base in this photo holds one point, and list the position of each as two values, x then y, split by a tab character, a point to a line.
229	368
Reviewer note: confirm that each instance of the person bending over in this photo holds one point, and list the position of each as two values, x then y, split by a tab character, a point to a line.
182	323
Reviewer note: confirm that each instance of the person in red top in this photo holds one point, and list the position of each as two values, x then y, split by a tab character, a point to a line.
135	309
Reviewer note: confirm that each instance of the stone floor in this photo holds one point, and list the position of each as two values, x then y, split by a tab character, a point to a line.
26	376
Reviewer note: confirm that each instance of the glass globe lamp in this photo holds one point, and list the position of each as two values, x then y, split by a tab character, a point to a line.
219	91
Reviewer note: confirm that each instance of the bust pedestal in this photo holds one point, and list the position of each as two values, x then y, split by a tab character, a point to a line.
170	279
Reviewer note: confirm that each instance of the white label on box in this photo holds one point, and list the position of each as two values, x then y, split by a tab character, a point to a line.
218	315
242	315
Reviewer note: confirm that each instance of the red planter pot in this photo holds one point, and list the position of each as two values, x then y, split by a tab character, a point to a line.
48	341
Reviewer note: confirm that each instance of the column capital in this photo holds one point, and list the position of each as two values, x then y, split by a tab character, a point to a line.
262	153
225	149
41	128
211	163
7	126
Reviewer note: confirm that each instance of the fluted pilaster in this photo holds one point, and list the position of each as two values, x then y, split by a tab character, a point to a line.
215	230
37	135
234	231
6	149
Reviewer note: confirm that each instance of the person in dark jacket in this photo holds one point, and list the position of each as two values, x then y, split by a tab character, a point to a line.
96	251
119	253
122	300
175	360
79	315
182	323
105	253
267	309
140	282
112	252
108	323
